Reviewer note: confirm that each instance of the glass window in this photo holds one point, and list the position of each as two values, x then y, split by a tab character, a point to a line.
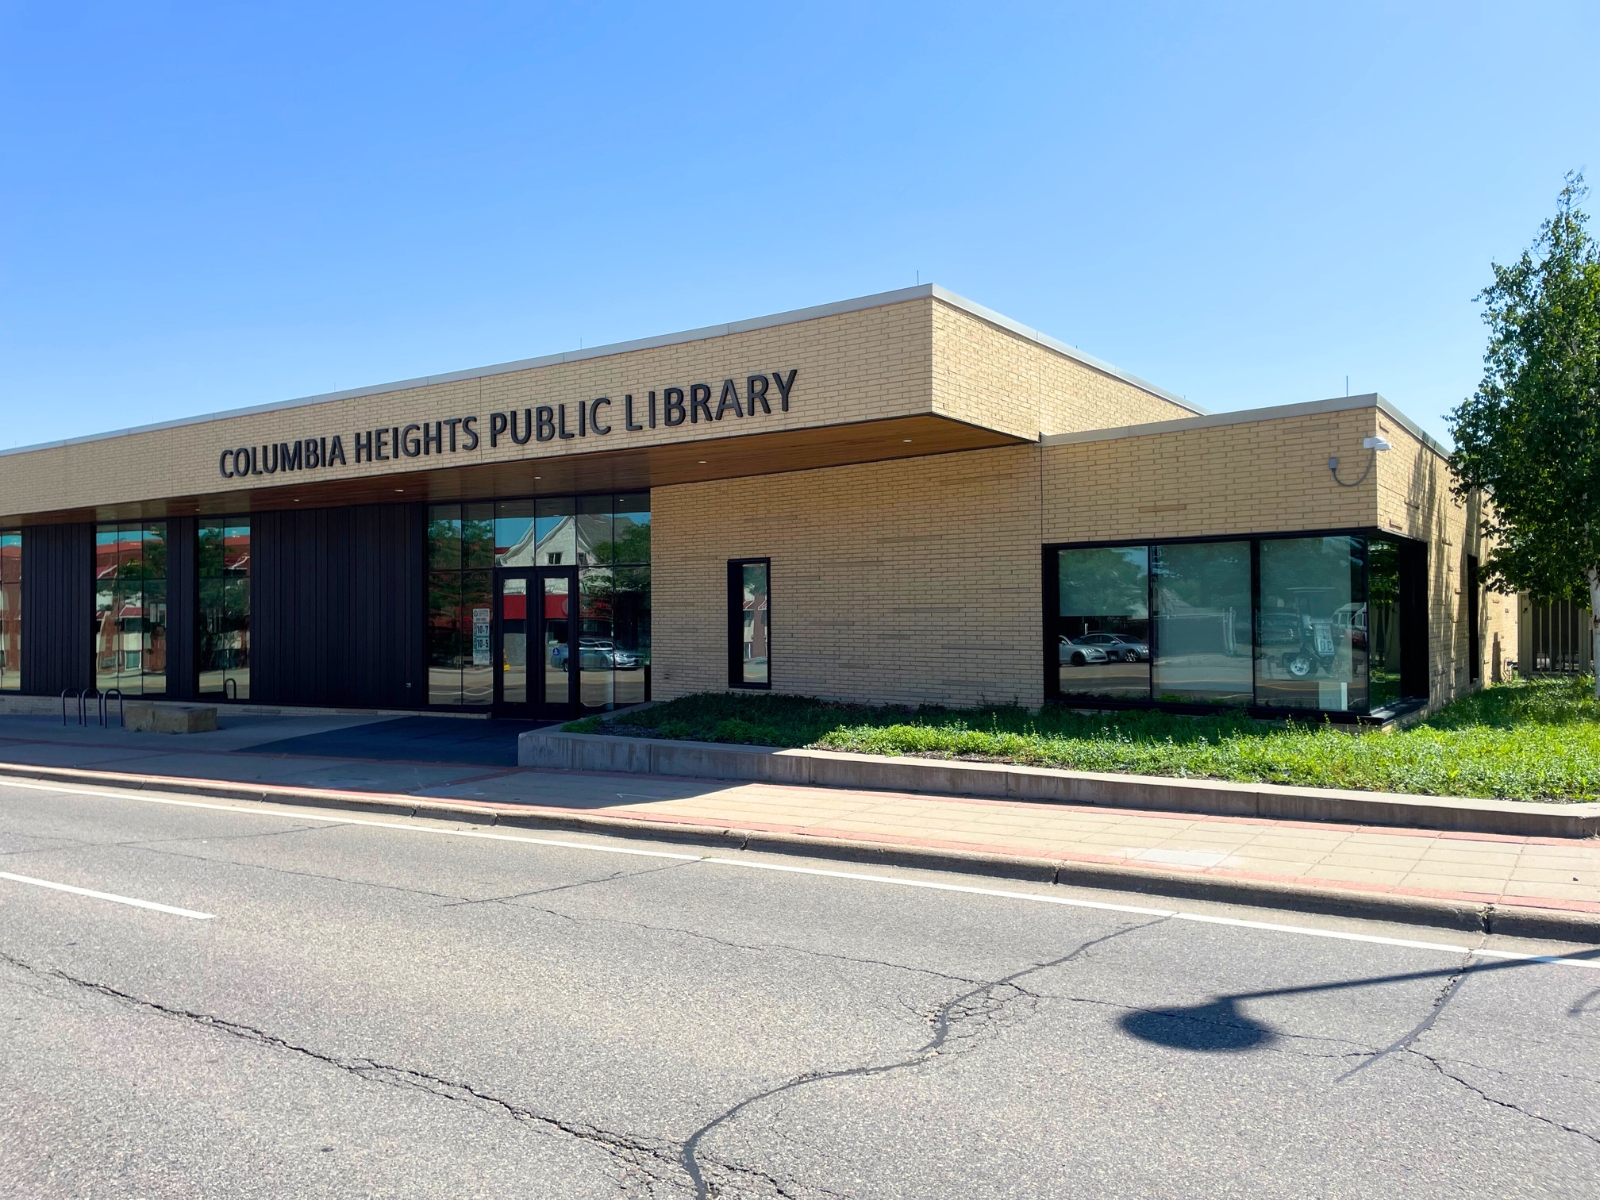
477	536
1311	635
1103	622
130	612
1202	614
223	567
631	531
1383	622
513	533
749	623
583	532
10	610
597	646
444	537
557	537
477	655
630	631
593	541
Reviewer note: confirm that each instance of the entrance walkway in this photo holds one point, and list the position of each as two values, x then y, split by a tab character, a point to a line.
472	761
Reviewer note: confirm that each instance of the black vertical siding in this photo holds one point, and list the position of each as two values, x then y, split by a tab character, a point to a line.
183	603
57	608
336	599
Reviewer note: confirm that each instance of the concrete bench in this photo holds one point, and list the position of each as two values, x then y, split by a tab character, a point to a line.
145	717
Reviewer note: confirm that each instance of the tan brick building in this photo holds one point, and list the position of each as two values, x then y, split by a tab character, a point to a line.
902	498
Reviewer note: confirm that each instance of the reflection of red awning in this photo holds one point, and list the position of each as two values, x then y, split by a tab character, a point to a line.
514	608
555	607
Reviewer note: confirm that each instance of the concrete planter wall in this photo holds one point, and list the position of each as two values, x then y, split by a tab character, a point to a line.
822	768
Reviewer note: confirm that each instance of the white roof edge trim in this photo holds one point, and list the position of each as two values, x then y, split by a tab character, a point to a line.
1060	347
793	316
1247	416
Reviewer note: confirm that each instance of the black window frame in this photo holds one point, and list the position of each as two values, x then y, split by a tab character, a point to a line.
736	677
1415	558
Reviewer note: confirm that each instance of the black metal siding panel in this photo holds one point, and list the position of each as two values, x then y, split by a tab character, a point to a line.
57	608
183	608
336	598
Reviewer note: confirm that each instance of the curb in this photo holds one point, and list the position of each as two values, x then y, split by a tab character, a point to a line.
612	754
1507	920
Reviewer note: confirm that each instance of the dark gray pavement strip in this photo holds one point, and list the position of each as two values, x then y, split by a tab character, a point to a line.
1511	920
383	1012
414	739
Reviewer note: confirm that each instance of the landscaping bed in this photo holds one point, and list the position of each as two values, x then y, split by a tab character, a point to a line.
1527	740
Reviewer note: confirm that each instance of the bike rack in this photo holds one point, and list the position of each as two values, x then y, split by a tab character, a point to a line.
83	704
65	692
105	708
234	683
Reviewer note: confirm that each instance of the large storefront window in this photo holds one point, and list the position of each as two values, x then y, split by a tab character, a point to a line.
605	538
223	567
1202	607
130	608
1103	628
1299	623
460	555
1313	624
10	610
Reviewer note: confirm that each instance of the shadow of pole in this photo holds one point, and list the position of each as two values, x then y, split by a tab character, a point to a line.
1219	1027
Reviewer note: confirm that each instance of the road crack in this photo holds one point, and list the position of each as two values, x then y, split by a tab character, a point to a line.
1438	1065
987	1002
653	1164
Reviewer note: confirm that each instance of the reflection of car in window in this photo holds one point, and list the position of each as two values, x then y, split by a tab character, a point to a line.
1079	652
594	654
1118	647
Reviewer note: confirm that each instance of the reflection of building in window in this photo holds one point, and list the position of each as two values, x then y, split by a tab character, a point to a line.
10	610
605	538
130	608
223	567
749	630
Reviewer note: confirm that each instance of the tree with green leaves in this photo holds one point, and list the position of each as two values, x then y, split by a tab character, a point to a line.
1529	437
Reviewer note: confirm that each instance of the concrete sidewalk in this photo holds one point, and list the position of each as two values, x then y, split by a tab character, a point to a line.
1458	879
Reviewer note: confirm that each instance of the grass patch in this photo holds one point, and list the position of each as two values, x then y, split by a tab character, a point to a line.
1528	740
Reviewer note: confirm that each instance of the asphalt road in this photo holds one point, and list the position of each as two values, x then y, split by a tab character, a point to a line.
380	1008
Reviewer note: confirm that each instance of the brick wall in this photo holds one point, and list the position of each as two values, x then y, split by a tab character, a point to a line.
907	581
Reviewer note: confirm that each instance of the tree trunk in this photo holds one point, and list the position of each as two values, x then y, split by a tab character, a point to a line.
1594	627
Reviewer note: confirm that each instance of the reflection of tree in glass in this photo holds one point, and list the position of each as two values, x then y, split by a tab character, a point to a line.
1104	582
631	543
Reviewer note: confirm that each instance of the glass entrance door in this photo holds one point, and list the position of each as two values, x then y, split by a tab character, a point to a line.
558	648
536	668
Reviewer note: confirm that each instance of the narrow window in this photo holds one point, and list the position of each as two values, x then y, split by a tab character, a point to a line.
224	573
1474	644
749	623
10	610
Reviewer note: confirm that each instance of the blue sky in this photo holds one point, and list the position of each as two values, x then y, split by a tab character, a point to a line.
207	206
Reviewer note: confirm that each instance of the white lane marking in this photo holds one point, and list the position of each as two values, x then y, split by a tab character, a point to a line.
298	815
115	899
862	876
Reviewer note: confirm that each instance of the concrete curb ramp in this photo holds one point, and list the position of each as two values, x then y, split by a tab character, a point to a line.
549	749
1508	920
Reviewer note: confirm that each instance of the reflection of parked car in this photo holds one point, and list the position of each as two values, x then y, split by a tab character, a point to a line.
595	654
1118	647
1078	653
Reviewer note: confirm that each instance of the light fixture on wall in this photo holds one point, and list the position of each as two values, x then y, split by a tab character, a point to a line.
1373	444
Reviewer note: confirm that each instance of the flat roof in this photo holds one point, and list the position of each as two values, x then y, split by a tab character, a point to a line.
922	292
1245	416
